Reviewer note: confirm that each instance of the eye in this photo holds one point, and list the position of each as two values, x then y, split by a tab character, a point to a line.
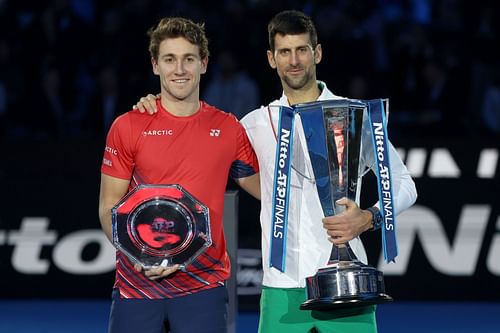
190	59
284	52
168	60
303	50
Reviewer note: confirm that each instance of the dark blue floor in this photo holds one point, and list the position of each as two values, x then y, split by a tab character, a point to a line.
76	316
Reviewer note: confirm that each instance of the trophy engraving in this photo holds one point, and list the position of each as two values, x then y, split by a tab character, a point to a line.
333	131
160	225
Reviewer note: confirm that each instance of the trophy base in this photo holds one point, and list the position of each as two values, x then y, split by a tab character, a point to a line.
325	304
345	284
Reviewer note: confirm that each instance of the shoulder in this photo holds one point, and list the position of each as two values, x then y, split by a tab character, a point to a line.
218	119
121	121
217	114
133	115
328	94
258	114
131	122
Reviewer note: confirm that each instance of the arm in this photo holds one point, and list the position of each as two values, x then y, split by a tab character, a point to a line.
354	221
403	186
112	190
251	184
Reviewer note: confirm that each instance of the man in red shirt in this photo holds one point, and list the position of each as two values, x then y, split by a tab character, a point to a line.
189	143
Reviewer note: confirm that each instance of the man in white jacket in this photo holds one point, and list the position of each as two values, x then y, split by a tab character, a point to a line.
294	53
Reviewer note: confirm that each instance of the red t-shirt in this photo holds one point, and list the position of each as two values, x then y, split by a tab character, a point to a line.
197	152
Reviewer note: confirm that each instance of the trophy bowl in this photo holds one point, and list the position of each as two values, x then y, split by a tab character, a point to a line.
160	225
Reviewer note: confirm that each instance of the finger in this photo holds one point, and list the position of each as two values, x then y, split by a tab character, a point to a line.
331	227
334	233
342	201
348	203
138	267
168	271
334	224
160	271
164	272
330	221
151	103
173	268
150	106
153	271
338	240
140	105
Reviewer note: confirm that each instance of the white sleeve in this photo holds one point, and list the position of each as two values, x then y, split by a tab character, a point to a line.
403	186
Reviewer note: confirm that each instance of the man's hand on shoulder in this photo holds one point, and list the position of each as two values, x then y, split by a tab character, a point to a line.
147	104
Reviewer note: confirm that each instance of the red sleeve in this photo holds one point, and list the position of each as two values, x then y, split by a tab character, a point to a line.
245	163
118	160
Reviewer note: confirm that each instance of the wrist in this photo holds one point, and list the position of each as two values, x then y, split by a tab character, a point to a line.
376	221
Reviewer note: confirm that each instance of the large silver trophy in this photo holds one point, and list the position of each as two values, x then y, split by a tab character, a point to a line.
333	131
160	225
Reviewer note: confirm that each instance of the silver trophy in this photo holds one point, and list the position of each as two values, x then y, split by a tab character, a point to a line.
161	225
333	131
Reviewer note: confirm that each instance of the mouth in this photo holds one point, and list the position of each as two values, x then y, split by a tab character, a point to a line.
180	81
295	71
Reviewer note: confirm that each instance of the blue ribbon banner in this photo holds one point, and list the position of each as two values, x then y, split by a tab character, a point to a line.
281	188
384	178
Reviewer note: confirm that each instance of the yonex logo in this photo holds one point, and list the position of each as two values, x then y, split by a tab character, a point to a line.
214	132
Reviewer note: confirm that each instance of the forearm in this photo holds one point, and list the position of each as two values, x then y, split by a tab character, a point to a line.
106	222
112	190
251	185
403	187
404	190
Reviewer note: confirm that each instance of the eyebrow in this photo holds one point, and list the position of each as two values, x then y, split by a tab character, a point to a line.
297	47
185	55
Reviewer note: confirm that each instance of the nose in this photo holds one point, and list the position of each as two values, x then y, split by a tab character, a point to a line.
179	67
294	58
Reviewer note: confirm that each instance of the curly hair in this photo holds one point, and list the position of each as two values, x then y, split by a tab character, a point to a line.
174	27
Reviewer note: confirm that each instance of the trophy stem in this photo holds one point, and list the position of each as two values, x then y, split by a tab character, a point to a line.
341	253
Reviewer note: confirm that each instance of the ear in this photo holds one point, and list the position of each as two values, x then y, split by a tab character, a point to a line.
270	59
204	65
154	64
318	54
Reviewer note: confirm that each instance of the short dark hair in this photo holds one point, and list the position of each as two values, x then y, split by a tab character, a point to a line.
291	22
174	27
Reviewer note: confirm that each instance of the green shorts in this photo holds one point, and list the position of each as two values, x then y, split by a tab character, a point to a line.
280	313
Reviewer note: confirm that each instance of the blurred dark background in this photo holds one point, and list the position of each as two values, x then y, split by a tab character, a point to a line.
69	67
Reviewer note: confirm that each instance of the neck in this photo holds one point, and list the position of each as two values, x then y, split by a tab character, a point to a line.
180	108
306	94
